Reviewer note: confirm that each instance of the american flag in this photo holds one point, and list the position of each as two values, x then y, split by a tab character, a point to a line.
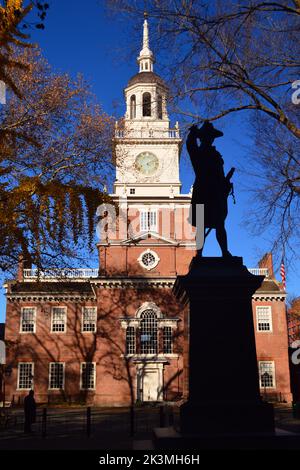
282	274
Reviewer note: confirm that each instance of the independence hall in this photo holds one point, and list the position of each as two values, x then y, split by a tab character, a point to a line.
117	335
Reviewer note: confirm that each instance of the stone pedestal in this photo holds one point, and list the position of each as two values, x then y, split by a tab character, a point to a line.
224	395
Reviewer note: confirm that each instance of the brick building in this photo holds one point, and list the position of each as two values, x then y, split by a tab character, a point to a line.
293	318
117	335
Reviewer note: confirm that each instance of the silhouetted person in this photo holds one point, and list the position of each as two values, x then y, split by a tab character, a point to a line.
29	411
211	187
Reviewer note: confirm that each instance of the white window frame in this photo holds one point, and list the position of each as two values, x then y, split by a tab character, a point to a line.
262	387
269	308
82	319
65	322
156	259
21	321
32	372
145	214
81	367
49	376
134	340
171	339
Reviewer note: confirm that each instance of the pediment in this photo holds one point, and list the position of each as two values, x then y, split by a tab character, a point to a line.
148	238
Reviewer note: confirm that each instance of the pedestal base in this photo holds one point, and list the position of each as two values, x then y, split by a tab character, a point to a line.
170	439
217	418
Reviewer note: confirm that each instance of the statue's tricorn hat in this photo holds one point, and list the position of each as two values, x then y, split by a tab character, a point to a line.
209	129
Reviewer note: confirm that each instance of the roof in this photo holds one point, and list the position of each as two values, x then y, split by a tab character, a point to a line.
269	285
50	287
146	77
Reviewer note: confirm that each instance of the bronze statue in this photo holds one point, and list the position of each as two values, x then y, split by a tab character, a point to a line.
211	187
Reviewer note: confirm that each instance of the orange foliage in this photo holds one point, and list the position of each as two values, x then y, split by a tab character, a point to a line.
55	156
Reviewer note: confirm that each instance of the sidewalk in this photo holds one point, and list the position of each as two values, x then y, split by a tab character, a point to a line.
110	430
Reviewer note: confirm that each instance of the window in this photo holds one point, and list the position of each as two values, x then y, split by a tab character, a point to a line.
267	374
148	220
132	190
130	340
148	332
25	375
88	375
159	107
167	340
89	319
264	318
58	320
28	319
132	107
148	259
146	104
56	375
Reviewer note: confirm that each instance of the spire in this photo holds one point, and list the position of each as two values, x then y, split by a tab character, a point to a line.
145	33
146	58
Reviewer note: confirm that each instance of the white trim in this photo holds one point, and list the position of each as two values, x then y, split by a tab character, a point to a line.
161	322
96	319
145	235
138	283
150	212
65	320
159	358
270	318
49	298
148	306
141	370
267	297
156	259
18	376
63	386
34	319
273	374
95	365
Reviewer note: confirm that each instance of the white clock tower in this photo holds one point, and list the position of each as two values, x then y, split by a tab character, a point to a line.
155	239
147	149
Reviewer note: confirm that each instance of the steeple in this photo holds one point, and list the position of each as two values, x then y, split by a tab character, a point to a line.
146	58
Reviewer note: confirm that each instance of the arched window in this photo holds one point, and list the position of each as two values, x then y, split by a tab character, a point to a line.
146	104
159	107
148	332
132	107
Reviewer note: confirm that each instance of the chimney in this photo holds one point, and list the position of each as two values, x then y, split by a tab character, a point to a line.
267	262
22	264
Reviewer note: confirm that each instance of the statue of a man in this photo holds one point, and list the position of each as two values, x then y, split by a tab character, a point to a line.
211	187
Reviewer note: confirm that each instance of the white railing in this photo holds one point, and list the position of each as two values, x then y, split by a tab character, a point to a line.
74	273
148	134
259	271
86	273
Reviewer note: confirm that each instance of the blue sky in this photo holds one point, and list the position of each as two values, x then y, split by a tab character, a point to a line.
81	37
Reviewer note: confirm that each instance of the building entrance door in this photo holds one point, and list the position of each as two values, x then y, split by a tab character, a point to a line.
150	382
150	385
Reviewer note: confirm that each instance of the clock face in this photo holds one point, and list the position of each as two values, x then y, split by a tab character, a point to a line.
146	163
